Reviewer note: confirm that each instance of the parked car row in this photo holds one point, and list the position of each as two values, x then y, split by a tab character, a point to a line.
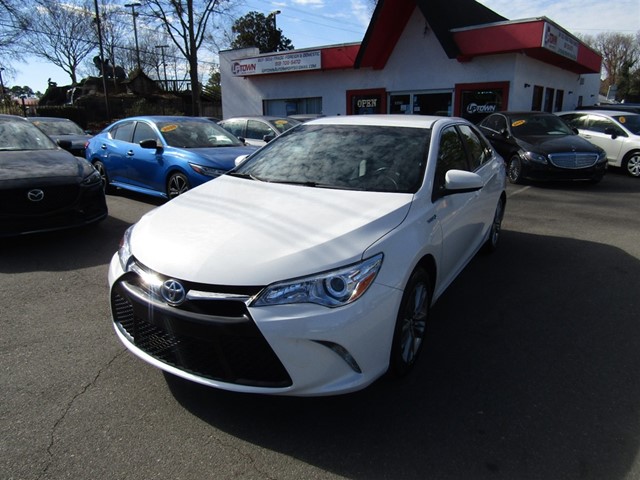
324	298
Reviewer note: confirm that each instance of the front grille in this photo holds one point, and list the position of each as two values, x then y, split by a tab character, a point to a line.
226	348
573	160
56	197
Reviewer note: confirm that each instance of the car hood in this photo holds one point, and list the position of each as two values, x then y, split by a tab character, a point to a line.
232	231
554	144
223	157
40	164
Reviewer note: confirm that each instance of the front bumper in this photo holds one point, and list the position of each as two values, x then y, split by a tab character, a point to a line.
287	350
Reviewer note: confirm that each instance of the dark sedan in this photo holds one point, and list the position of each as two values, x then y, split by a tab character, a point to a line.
66	133
540	146
42	186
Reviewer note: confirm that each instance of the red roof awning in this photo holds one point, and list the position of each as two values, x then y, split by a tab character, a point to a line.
538	38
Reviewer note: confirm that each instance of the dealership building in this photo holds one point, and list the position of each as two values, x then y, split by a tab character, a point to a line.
420	57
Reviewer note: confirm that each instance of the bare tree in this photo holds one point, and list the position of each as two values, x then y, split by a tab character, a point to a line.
12	27
186	22
62	33
620	55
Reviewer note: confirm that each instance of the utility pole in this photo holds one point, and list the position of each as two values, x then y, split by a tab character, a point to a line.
134	14
1	86
104	77
275	28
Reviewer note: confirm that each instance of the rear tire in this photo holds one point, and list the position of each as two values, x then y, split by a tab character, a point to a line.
411	323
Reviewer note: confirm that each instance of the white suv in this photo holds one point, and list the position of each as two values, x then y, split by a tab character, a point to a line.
617	132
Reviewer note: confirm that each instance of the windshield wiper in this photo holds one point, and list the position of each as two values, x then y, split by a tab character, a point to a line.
247	176
309	183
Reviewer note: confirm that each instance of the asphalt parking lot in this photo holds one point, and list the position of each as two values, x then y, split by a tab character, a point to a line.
530	369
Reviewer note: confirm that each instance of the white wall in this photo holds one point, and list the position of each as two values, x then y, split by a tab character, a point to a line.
417	63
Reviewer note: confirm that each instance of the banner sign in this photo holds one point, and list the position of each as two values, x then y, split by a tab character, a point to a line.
288	62
559	42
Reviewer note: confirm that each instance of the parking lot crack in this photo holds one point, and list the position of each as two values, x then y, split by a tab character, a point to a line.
251	461
69	405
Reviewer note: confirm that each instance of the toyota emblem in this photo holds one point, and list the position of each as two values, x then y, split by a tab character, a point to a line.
35	195
173	292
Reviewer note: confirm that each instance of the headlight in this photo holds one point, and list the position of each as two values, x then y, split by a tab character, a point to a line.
124	252
602	156
93	178
208	171
330	289
536	157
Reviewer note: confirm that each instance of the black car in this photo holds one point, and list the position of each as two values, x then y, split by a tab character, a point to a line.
66	133
540	146
42	186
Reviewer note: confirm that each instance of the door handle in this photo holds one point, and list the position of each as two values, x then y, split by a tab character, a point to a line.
130	153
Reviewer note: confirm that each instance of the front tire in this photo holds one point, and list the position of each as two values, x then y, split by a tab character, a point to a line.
411	323
631	164
514	170
177	184
496	228
102	170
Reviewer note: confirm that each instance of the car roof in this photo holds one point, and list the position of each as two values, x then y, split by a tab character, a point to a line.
609	113
256	117
415	121
50	119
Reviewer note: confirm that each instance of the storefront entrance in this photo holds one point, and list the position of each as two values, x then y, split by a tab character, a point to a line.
362	102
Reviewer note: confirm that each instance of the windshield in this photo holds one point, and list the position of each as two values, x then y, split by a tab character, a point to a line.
58	127
16	134
284	124
196	134
630	122
539	124
360	157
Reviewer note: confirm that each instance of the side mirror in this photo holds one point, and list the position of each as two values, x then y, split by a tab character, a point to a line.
461	181
240	159
612	132
151	143
268	138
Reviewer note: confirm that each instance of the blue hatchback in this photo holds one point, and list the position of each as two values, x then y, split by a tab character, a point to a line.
163	156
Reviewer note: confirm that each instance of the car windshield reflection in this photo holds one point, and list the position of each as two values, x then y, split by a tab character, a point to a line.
23	136
186	134
370	158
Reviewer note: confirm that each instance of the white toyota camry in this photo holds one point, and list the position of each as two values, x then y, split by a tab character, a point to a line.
311	268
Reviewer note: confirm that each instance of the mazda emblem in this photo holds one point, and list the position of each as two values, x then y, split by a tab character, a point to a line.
173	292
35	195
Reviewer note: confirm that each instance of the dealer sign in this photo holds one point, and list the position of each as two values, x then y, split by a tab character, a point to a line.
288	62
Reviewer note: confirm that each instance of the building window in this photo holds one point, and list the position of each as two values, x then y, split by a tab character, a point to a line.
476	101
292	106
427	103
559	101
548	99
536	101
362	102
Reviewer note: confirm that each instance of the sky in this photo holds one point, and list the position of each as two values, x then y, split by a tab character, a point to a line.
316	23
